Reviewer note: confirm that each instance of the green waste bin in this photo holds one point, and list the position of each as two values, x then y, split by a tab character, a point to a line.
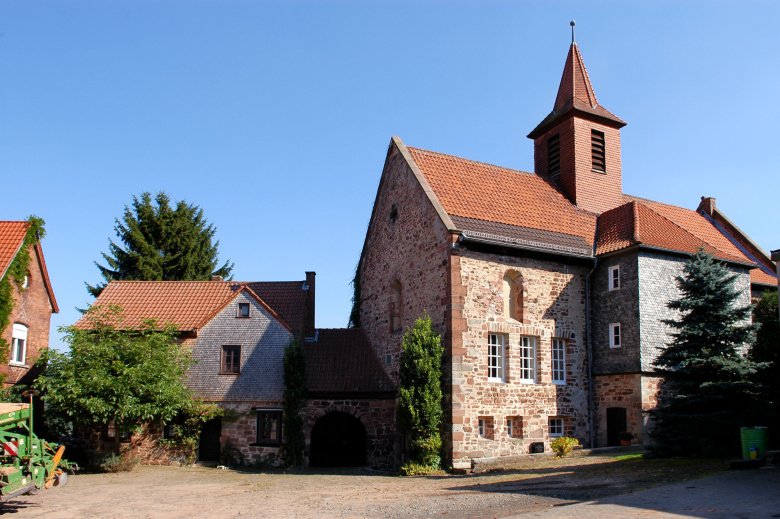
754	442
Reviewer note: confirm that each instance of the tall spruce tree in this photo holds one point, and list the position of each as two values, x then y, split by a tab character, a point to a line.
709	389
420	410
158	242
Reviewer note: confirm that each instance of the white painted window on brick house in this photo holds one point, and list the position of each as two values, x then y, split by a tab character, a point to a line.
615	340
18	345
555	426
527	354
614	277
496	357
558	361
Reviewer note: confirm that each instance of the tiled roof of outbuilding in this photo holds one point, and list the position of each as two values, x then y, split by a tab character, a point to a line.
341	361
189	304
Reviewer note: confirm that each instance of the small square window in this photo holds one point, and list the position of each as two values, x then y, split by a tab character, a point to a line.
509	427
269	427
556	426
614	335
614	277
514	426
485	427
231	360
243	310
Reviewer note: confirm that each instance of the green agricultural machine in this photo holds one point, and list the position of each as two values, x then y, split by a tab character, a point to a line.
27	463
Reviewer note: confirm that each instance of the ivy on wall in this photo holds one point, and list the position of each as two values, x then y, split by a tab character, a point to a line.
14	276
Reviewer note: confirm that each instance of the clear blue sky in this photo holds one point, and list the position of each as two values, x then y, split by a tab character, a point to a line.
275	117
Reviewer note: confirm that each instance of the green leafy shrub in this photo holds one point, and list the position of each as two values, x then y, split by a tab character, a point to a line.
563	445
417	469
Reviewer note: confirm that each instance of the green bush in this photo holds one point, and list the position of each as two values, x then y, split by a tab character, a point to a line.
416	469
113	462
563	445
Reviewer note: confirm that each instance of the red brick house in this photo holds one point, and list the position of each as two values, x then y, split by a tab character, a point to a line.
548	288
27	332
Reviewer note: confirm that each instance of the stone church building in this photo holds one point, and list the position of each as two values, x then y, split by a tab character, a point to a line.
548	288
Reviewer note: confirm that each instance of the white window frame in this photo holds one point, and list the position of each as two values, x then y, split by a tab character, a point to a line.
19	345
614	277
558	361
496	357
509	426
482	427
527	360
555	427
615	336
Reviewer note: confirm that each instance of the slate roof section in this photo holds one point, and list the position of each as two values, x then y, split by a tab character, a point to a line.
341	362
189	305
479	191
11	239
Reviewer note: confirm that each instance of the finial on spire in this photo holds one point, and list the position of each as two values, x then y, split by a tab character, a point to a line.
572	23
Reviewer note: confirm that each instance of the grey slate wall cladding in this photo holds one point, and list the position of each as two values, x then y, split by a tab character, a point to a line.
262	340
657	287
615	306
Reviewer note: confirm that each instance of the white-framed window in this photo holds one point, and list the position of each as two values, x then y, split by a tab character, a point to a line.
558	361
482	426
485	427
510	427
26	282
528	360
496	356
19	345
614	277
555	426
615	341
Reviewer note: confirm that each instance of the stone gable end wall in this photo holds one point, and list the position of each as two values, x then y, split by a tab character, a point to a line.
33	309
411	249
555	307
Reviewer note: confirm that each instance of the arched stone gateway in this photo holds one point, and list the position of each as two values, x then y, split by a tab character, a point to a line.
338	440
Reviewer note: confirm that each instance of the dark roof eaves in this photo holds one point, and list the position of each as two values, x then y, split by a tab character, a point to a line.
554	118
513	243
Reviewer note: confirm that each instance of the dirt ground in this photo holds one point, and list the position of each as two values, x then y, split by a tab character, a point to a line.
185	492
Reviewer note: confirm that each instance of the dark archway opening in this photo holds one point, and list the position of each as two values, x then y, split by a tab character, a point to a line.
338	440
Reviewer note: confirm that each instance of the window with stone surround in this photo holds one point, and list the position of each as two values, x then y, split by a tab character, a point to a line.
614	277
485	427
230	363
558	361
496	357
615	340
514	426
18	345
513	296
527	354
555	426
269	427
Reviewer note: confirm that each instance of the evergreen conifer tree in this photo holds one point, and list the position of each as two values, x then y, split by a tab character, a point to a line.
708	390
158	242
420	410
767	350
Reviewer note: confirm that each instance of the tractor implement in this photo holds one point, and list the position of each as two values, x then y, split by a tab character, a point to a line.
27	463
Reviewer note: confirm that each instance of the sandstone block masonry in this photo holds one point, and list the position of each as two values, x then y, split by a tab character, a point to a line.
502	417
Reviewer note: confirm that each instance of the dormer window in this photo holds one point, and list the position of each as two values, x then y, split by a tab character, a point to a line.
597	151
554	157
243	310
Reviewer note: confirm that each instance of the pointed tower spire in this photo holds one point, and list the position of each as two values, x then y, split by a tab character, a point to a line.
577	146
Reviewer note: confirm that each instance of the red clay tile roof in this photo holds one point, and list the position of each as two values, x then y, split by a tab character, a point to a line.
342	362
760	277
11	239
287	298
490	193
186	304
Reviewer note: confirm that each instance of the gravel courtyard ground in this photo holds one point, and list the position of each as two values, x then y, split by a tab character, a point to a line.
185	492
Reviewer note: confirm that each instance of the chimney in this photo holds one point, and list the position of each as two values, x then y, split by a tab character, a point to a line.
216	278
308	322
707	205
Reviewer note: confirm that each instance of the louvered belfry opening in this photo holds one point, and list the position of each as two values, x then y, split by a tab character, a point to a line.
554	157
597	151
